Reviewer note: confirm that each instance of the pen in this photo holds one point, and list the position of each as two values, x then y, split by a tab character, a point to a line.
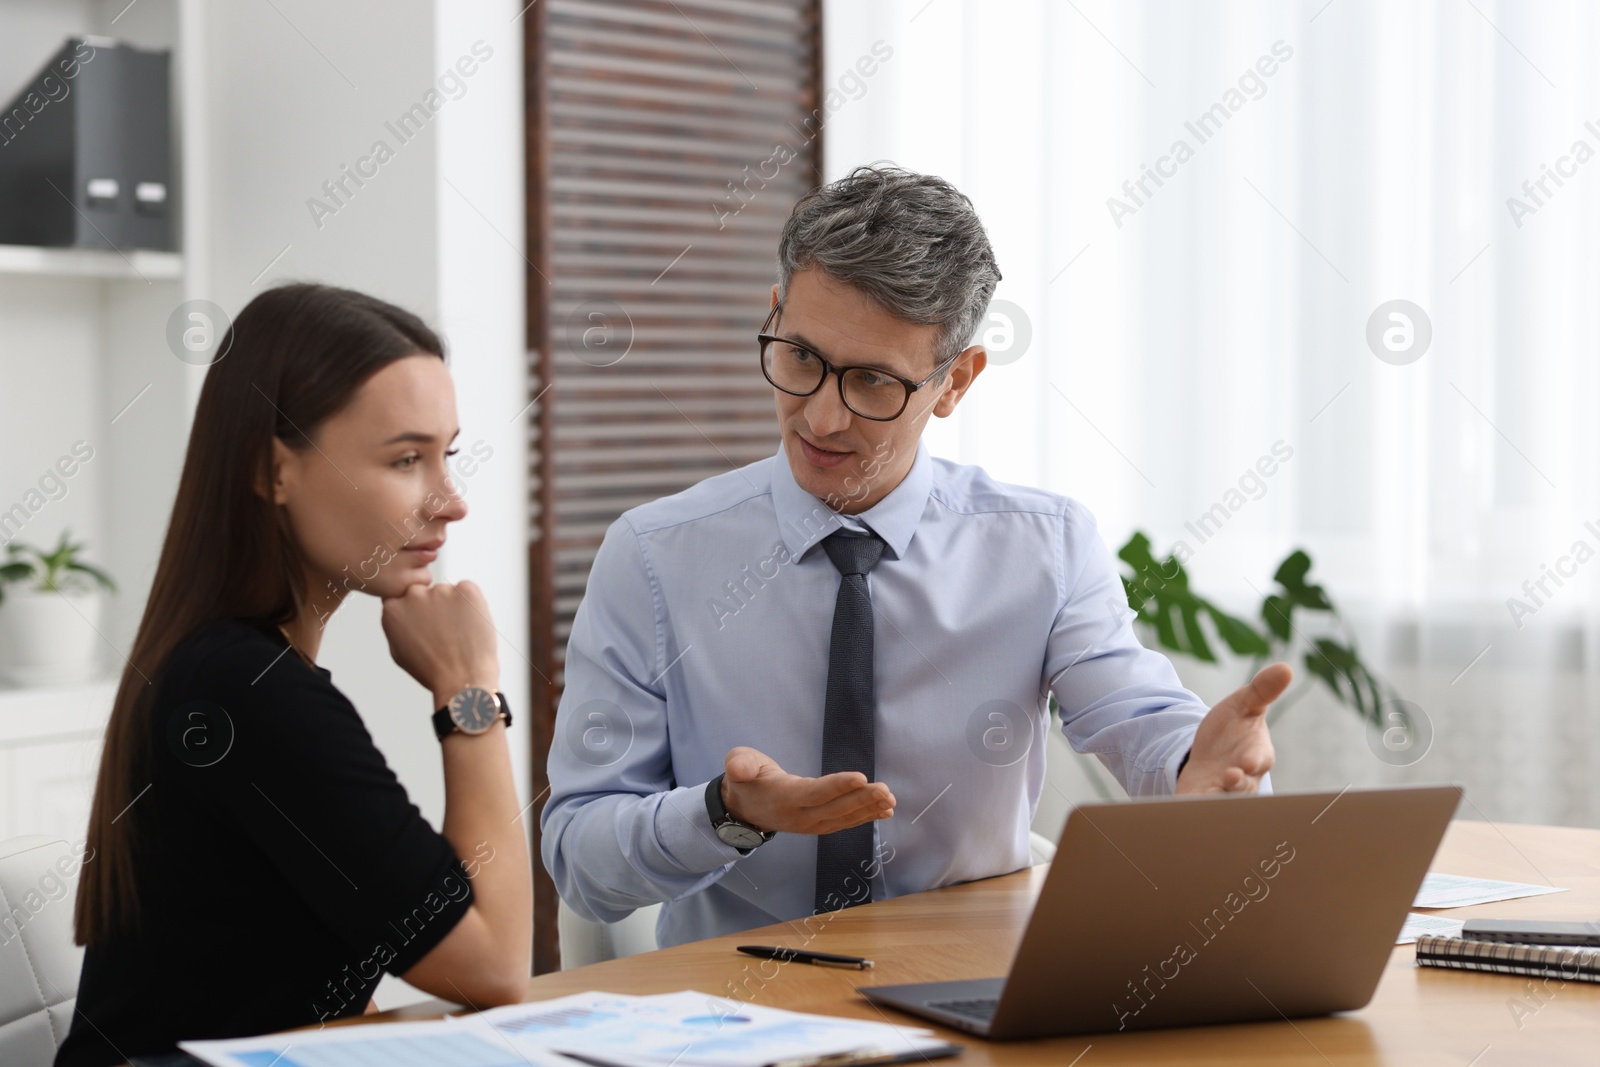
821	959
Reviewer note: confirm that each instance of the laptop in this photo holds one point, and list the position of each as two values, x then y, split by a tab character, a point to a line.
1177	911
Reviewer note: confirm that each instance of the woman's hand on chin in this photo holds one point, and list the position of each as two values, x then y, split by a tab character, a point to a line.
441	634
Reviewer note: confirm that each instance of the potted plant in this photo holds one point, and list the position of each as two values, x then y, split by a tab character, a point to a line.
50	612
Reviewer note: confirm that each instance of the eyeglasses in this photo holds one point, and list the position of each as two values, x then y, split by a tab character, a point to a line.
869	392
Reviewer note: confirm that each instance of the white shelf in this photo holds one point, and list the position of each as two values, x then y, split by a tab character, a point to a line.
90	262
50	743
30	715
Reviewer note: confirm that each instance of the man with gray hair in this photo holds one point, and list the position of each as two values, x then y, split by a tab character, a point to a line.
821	679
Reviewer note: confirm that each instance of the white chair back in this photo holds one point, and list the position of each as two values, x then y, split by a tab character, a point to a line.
39	964
584	942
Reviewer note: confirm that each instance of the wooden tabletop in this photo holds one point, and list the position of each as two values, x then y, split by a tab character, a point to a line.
1419	1016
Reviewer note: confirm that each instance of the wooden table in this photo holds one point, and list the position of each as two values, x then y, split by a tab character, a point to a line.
1419	1016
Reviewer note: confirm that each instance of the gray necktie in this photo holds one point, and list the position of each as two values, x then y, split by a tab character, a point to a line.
845	856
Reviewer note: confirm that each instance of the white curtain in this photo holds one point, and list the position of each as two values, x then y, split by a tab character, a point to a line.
1339	156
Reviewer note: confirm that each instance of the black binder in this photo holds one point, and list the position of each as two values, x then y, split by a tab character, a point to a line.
86	151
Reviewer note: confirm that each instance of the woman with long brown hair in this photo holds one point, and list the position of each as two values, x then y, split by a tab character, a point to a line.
252	862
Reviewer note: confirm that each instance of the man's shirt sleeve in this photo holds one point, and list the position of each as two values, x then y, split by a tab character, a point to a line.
619	832
1119	700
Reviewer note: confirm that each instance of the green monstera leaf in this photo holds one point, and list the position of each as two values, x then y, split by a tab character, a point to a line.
1278	610
1160	595
1342	671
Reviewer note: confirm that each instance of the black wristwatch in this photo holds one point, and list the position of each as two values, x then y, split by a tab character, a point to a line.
472	711
731	831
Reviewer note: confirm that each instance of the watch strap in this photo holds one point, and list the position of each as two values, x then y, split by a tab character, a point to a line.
718	813
714	806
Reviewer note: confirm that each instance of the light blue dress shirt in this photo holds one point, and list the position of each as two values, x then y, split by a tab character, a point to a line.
706	625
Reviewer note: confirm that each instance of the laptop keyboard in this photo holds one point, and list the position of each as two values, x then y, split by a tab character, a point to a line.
979	1008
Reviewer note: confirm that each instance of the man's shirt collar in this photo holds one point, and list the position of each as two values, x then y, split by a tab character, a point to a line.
804	520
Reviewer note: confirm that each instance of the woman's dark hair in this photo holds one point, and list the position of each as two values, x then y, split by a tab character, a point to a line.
294	356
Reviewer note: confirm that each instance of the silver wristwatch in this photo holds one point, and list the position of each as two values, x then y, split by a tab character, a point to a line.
731	831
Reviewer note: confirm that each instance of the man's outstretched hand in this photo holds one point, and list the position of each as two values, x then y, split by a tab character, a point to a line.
1232	749
757	791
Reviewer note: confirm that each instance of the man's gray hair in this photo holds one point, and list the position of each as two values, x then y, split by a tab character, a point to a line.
912	242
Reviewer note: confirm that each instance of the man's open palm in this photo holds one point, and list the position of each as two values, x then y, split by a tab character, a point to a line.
755	790
1232	749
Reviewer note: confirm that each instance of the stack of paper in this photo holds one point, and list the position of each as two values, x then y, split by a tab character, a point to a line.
425	1044
1459	891
692	1029
685	1029
1420	925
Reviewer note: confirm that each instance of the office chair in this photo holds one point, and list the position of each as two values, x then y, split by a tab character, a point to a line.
39	964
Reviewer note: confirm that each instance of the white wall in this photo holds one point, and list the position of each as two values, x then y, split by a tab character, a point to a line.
481	297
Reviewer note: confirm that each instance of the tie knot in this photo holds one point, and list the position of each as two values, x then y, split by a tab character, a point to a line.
853	553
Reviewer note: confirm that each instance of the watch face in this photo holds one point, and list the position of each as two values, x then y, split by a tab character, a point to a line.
739	836
474	710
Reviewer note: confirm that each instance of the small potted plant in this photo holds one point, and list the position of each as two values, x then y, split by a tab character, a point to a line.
50	611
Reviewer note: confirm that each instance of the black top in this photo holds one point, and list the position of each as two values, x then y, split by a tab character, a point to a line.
285	868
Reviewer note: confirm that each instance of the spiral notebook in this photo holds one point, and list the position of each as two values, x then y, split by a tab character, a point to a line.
1536	961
